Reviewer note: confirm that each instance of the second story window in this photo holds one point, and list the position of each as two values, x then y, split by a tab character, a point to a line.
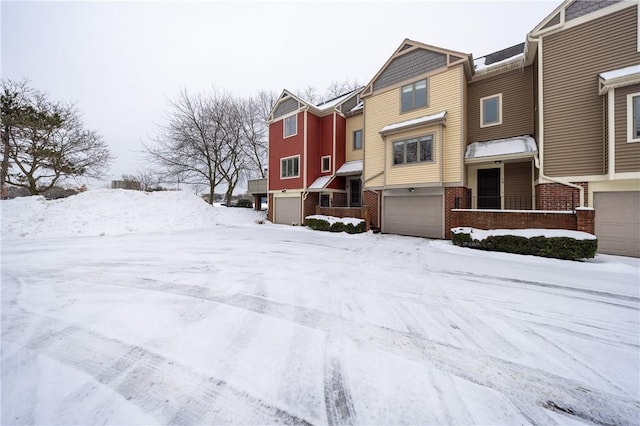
633	117
326	163
357	139
413	95
290	167
291	126
491	110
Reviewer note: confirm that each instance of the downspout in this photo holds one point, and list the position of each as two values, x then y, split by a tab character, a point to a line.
560	181
537	162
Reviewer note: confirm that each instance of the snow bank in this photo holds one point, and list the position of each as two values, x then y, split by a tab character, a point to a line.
481	234
332	219
111	212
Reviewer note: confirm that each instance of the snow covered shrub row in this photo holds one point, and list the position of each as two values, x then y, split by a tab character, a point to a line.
335	224
571	246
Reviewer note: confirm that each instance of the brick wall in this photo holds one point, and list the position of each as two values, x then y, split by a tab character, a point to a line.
586	220
313	199
372	199
514	220
555	196
450	194
357	212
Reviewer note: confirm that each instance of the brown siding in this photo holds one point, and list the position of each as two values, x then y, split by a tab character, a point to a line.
627	154
518	186
572	59
517	110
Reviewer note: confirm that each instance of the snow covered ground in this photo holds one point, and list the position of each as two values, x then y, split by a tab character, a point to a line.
129	308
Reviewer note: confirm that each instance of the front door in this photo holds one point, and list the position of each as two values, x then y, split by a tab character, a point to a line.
355	193
489	188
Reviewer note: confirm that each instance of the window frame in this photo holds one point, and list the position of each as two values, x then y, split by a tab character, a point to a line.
413	97
416	140
631	118
282	160
284	126
354	139
499	112
322	168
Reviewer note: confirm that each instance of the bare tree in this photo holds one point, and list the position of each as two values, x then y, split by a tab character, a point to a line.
45	142
189	147
337	88
149	180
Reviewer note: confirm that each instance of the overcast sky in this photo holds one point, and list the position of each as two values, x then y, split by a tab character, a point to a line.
121	61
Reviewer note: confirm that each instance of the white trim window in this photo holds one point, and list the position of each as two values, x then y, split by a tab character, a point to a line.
633	117
414	95
290	167
357	139
413	150
325	163
491	110
290	126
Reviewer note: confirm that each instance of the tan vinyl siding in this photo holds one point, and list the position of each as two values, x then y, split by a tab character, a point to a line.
627	154
572	59
384	108
414	173
517	105
355	122
518	182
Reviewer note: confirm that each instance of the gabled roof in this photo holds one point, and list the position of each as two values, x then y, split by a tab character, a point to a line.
320	109
350	168
619	78
408	47
439	118
321	183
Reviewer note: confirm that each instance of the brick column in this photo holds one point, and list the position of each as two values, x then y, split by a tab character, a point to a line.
586	220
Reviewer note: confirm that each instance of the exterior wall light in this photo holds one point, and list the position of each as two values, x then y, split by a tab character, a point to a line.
412	189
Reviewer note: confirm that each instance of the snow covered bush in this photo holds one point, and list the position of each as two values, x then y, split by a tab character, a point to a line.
335	224
555	243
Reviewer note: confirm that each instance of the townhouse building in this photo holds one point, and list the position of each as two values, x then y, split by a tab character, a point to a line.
543	134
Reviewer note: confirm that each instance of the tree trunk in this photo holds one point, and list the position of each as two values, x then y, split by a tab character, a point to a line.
211	193
4	167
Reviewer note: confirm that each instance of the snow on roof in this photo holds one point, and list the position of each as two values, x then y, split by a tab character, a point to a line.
335	101
519	145
480	63
350	167
321	182
499	56
413	122
622	72
357	107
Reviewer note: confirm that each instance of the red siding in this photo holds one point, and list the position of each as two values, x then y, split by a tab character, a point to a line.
314	137
341	142
279	148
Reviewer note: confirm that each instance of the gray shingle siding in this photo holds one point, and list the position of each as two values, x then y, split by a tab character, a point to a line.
285	107
348	104
409	65
554	21
581	7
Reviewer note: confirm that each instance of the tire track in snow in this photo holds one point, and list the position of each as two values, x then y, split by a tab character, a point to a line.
514	380
151	382
337	397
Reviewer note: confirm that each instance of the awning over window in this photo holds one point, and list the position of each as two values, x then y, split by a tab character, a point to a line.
439	118
350	168
501	149
619	78
320	183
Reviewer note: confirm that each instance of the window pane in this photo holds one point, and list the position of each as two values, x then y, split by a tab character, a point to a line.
421	94
412	151
636	117
290	124
295	167
425	148
325	164
357	139
407	98
490	110
398	152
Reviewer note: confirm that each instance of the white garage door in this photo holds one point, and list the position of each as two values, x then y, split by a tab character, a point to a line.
618	222
419	215
287	210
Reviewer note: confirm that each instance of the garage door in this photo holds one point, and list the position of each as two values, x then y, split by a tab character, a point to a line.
617	222
287	210
420	216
